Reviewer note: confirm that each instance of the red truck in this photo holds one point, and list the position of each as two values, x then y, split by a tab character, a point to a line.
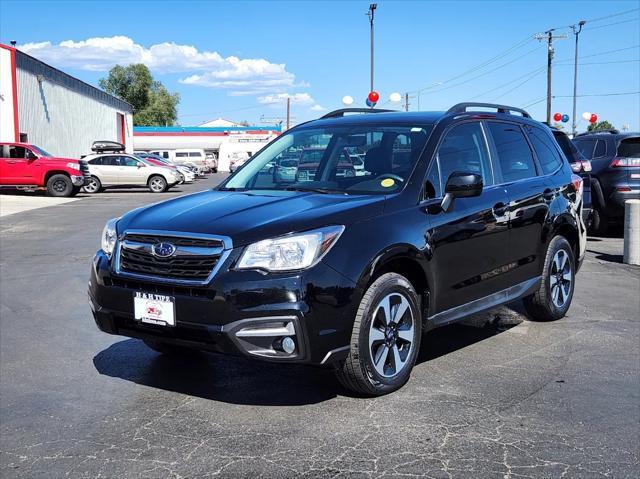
27	167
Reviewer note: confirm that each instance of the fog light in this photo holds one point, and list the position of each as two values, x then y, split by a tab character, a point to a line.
288	345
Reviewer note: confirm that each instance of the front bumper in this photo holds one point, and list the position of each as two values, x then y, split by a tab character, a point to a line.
78	180
239	312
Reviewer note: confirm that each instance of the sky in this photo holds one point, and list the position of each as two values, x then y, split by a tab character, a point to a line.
241	60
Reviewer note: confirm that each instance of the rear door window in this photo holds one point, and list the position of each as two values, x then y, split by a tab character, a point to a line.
601	149
629	148
547	153
96	161
514	155
586	147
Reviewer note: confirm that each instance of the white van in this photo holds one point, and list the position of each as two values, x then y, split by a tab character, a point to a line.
190	157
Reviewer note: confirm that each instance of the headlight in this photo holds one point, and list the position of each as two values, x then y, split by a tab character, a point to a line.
109	236
297	251
75	166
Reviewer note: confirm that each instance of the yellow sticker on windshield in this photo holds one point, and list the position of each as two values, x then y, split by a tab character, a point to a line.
387	183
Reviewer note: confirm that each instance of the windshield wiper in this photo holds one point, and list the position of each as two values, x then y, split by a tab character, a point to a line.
310	190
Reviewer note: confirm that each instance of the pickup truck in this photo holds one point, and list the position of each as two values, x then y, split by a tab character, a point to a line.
27	167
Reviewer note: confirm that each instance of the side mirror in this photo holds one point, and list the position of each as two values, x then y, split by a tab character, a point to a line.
461	185
141	165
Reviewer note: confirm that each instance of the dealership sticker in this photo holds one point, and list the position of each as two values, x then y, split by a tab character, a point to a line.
387	183
154	308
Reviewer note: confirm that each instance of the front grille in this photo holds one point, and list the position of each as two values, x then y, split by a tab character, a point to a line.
175	240
194	258
84	169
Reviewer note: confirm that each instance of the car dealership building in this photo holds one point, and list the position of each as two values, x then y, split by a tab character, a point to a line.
42	105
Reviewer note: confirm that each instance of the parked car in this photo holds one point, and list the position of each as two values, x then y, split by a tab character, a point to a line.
350	271
120	169
580	166
211	162
27	167
187	173
310	159
195	157
615	161
237	159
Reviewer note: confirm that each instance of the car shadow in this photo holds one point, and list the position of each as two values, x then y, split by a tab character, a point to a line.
612	258
240	380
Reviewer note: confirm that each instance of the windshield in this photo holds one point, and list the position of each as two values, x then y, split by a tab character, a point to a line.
354	159
40	151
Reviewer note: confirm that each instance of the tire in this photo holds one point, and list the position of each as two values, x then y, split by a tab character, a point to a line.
157	184
75	190
59	185
93	186
599	223
553	298
360	372
167	348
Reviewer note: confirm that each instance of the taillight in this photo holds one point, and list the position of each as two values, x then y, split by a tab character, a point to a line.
580	166
576	181
625	162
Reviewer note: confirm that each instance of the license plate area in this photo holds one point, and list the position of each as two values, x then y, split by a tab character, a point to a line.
152	308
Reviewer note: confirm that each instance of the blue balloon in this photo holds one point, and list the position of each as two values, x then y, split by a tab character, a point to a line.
370	104
565	118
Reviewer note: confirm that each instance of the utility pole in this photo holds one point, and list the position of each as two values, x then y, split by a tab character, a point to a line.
550	37
406	102
288	112
576	33
370	14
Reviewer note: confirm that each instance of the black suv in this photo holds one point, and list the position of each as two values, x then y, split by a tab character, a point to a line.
615	159
454	213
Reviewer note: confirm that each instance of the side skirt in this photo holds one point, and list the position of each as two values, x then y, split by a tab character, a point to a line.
501	297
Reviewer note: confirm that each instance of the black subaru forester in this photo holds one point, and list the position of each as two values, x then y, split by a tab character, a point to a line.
453	213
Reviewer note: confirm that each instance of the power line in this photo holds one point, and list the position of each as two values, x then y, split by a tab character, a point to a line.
611	24
602	94
519	84
508	83
535	102
600	53
537	48
612	15
566	63
506	52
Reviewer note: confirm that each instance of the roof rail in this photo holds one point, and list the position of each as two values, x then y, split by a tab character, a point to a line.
462	108
612	131
342	111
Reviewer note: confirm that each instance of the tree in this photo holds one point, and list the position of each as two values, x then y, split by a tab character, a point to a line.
162	109
601	125
152	103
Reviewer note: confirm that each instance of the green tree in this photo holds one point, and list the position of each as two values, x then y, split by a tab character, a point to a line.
601	125
152	103
162	109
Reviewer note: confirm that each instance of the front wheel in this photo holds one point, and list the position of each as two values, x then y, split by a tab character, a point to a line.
157	184
553	298
385	340
59	185
92	185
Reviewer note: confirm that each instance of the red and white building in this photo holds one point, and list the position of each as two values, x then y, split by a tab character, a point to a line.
42	105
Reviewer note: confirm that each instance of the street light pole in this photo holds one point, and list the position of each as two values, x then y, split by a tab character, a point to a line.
576	33
370	14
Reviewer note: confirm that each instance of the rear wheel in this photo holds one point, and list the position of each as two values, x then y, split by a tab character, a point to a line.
157	184
92	185
599	223
385	340
553	298
59	185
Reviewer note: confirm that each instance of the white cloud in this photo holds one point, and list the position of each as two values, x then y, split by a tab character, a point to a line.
317	107
209	69
303	99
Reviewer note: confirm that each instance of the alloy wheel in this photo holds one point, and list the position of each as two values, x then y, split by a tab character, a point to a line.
91	186
157	184
560	278
391	334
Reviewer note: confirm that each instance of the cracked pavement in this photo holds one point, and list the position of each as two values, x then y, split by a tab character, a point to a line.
495	397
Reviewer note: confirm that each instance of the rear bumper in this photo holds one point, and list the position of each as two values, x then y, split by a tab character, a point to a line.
238	313
619	197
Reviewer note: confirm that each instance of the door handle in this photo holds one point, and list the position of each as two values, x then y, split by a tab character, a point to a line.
499	209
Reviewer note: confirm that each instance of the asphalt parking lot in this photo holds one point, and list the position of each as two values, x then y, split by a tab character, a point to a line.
497	396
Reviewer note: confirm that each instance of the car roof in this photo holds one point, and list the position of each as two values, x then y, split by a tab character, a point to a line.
607	134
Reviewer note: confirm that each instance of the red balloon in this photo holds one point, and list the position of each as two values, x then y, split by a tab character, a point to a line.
593	118
373	97
557	116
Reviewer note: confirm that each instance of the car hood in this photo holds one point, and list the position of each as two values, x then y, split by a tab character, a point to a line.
252	216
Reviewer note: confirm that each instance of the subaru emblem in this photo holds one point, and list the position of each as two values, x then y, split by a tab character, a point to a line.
163	250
